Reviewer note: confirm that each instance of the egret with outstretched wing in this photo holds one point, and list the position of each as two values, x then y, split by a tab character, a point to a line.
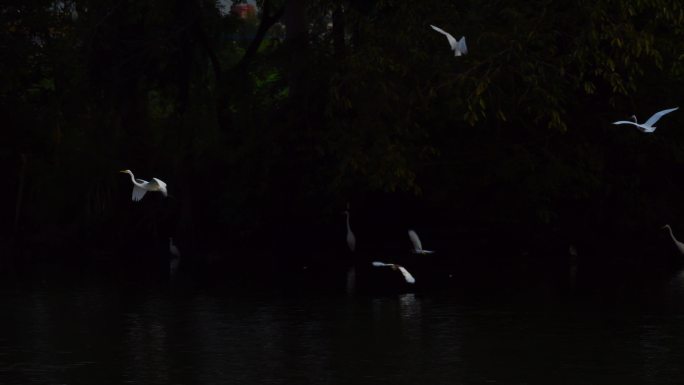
647	126
407	276
417	246
140	187
458	46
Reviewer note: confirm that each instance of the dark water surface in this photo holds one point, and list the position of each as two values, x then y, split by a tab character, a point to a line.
106	335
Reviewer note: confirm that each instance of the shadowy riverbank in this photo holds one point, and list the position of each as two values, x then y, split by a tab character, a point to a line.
469	262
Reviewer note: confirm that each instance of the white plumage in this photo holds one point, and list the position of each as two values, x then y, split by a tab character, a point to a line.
351	279
647	126
351	239
417	245
140	186
407	276
173	249
458	46
680	245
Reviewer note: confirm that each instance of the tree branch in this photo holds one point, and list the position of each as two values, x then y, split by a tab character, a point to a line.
215	64
267	21
338	31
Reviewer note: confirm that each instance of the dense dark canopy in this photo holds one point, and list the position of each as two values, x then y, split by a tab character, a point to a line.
265	126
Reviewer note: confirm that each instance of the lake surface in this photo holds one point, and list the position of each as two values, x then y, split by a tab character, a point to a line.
105	335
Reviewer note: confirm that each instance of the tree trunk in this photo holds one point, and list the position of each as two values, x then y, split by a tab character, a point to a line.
296	40
338	32
20	193
228	84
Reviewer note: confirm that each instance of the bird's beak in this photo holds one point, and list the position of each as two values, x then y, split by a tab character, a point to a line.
124	171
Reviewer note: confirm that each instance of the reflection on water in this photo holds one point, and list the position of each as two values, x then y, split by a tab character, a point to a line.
146	345
105	336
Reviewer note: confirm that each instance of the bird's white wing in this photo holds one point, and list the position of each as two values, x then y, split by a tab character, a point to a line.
462	48
160	186
138	193
640	127
417	246
159	182
452	40
651	121
407	276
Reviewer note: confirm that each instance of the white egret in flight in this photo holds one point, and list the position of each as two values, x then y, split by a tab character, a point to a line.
417	246
407	276
175	260
458	46
647	126
140	187
351	239
680	245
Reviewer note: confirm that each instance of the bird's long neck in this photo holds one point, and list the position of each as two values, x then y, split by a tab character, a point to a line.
348	227
135	182
132	177
671	234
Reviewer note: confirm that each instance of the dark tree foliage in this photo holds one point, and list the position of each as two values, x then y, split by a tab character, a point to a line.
264	127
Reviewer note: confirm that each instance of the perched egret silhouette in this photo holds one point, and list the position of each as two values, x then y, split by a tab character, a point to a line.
458	46
351	242
351	280
140	187
417	246
407	276
351	239
680	245
175	257
573	265
647	126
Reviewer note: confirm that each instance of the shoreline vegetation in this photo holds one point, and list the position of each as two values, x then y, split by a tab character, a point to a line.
268	122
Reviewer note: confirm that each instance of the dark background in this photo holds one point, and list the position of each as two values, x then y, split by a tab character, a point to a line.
266	125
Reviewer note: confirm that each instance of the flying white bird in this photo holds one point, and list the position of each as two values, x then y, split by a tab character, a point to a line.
407	276
351	239
417	246
680	245
648	125
175	260
458	46
140	187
